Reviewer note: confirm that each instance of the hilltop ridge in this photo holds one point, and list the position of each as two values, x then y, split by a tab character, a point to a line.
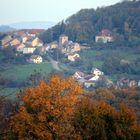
123	19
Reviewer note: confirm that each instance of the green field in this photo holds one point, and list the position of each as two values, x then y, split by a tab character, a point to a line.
9	92
1	56
21	72
98	56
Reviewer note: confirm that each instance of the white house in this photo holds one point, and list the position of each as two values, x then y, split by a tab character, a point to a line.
36	59
31	34
24	39
104	36
89	83
78	75
104	39
96	72
94	78
28	50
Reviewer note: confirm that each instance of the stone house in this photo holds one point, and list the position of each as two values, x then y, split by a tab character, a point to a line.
104	36
63	39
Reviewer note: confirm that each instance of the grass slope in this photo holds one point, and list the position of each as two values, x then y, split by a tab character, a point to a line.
21	72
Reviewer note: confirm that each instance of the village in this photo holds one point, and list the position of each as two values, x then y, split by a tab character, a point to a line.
70	70
26	42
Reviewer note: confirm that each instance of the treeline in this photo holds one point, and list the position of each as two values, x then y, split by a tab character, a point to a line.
117	65
123	19
61	109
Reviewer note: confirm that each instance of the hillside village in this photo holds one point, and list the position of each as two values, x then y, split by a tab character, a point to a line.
27	42
76	79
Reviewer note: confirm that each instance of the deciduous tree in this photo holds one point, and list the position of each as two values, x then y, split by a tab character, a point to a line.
47	110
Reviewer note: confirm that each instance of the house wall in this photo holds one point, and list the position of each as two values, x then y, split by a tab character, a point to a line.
103	39
63	40
97	72
20	48
24	39
53	46
37	42
76	48
28	50
15	42
89	84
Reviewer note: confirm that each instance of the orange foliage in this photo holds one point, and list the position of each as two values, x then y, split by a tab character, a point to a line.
47	110
99	120
57	110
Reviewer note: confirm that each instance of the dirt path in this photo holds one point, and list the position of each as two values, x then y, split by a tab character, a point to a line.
54	64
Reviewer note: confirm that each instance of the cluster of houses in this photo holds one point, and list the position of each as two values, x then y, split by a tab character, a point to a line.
69	48
27	41
125	82
88	80
96	76
24	41
66	46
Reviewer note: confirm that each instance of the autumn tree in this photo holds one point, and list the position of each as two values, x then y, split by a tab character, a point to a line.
47	110
61	110
100	121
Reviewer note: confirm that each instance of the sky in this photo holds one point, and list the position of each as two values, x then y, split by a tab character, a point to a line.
12	11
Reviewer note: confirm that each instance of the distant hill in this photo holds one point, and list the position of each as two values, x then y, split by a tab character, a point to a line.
4	29
123	19
32	25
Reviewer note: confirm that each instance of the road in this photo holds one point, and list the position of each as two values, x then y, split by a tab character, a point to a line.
54	64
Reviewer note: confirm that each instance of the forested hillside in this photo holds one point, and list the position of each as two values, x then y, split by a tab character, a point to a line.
123	19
